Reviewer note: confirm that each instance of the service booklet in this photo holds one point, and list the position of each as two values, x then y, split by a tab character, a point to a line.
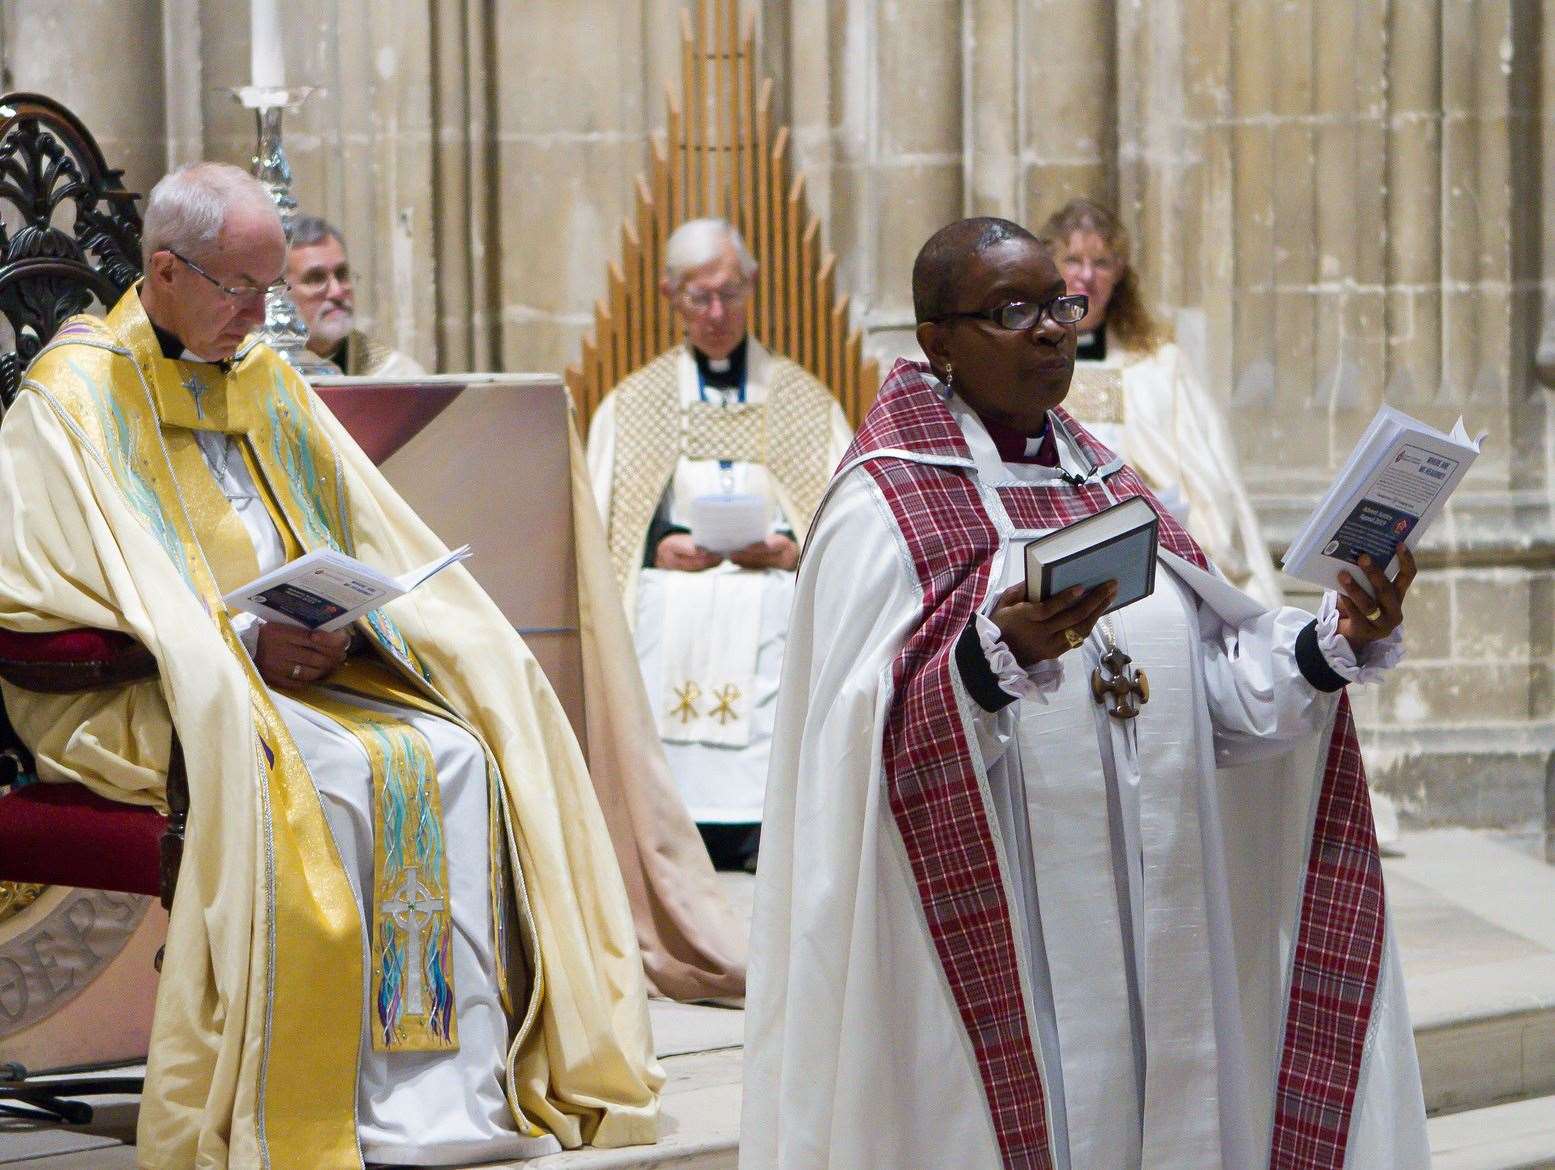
1116	544
726	522
327	590
1394	485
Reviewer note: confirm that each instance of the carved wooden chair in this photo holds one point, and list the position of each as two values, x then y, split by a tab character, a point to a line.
69	237
721	156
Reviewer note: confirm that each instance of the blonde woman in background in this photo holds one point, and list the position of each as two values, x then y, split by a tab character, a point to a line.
1169	430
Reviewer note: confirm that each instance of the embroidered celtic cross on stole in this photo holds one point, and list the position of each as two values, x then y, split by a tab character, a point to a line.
412	921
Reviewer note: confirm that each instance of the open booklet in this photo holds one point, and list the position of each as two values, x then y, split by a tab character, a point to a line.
326	590
1395	484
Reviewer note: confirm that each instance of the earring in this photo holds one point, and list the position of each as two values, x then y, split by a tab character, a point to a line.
950	378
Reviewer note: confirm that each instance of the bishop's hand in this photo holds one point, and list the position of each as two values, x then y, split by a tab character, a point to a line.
1362	619
288	656
775	552
1036	631
679	551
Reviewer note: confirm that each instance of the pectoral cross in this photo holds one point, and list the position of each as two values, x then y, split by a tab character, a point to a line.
197	390
411	908
1124	686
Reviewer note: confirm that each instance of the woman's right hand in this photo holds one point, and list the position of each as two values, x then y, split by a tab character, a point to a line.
1036	631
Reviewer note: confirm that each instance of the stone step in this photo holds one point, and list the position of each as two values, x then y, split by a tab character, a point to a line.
1485	1034
1516	1136
1473	916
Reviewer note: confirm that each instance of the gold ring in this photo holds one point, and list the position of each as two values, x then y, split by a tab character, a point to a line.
296	670
1374	614
1074	638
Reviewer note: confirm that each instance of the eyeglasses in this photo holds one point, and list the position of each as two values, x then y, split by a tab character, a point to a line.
701	300
1019	316
317	279
242	291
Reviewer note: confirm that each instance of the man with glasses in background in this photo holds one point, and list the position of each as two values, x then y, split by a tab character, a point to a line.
701	431
320	275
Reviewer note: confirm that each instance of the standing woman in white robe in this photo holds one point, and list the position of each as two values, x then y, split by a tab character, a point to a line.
1172	432
1000	923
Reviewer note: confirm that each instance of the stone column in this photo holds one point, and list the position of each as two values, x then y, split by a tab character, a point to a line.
1340	192
102	59
895	76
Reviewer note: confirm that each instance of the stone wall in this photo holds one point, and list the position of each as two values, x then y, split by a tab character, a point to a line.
1334	201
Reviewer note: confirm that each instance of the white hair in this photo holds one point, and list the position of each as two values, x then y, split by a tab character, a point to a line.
187	207
701	241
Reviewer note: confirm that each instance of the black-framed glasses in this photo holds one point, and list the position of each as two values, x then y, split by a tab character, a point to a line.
1018	316
242	291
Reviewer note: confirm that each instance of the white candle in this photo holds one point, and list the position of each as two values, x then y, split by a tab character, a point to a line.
267	68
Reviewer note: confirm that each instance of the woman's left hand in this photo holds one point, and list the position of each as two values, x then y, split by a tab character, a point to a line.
1362	619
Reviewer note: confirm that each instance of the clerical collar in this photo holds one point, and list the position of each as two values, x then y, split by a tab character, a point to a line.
727	373
1092	346
1015	447
175	350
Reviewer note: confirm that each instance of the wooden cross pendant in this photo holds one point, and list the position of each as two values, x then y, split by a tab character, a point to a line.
1123	686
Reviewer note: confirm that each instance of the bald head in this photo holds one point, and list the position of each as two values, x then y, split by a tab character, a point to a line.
944	261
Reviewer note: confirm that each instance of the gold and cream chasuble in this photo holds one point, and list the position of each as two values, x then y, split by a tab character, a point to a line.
710	643
277	953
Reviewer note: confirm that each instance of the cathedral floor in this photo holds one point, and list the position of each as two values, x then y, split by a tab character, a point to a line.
1475	912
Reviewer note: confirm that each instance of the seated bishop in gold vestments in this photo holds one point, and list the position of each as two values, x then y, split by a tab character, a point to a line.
400	934
716	417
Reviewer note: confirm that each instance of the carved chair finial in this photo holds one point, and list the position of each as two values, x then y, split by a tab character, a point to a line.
70	230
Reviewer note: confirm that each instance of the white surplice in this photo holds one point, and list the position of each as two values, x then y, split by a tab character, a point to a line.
1155	867
413	1108
1175	436
721	773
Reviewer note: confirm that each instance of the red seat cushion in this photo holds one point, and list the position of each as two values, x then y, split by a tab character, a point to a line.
83	645
67	835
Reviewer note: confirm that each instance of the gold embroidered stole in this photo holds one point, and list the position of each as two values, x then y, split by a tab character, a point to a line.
411	933
412	927
789	434
411	960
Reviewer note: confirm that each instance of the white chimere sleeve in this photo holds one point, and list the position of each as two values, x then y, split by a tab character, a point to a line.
1258	697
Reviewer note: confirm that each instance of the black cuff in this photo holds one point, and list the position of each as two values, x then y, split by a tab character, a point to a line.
981	682
657	531
1314	667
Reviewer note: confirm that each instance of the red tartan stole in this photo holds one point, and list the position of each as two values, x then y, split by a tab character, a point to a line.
939	809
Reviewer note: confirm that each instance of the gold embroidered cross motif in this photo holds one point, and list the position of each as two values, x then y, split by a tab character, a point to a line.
685	710
727	697
197	390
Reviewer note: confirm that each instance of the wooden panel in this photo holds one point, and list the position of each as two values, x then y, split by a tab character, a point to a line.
722	155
